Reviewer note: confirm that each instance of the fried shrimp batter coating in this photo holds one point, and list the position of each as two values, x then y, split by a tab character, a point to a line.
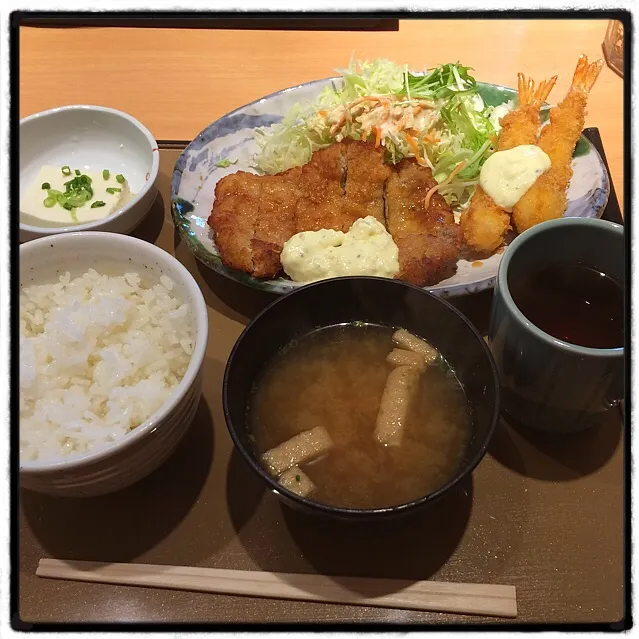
485	224
546	198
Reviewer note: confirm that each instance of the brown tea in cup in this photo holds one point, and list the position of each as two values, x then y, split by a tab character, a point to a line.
572	302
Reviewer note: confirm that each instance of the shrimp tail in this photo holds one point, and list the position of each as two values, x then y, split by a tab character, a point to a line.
543	91
532	96
525	90
586	74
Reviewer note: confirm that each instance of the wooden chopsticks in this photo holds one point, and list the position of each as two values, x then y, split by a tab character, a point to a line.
472	599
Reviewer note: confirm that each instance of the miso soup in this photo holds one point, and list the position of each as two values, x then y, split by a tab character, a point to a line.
335	378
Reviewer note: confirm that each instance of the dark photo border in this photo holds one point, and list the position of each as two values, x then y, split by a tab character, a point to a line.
368	21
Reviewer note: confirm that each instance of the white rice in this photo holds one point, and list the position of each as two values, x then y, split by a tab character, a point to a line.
98	356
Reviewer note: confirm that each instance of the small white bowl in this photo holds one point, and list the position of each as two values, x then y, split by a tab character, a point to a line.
134	456
90	137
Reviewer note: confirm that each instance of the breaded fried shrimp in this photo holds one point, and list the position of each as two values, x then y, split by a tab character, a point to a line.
484	224
546	198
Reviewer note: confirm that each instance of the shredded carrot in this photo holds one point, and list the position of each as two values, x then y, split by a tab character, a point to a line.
431	138
378	135
364	136
384	101
411	140
323	113
451	175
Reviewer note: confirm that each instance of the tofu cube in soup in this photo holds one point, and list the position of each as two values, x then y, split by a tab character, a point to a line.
301	448
298	482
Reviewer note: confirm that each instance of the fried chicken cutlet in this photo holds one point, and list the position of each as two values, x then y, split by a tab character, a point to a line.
254	215
365	177
428	239
321	183
342	183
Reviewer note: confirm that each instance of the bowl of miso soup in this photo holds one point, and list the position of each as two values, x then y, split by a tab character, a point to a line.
361	397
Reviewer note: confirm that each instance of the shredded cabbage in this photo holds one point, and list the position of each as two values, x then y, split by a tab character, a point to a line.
436	116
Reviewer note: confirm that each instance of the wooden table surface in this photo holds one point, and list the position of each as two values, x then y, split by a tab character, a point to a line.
177	81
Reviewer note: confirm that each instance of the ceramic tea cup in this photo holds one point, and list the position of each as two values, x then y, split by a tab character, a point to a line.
549	383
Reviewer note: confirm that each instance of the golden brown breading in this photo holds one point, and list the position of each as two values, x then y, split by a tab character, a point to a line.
322	187
428	240
484	224
365	177
275	222
233	219
253	216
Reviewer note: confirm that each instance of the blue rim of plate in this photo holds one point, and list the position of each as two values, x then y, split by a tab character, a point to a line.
281	286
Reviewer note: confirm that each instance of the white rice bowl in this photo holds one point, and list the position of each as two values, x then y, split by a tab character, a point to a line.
98	356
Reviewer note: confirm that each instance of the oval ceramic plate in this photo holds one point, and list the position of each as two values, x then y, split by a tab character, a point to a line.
231	137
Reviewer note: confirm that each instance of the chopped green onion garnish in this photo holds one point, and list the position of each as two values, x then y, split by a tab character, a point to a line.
97	204
106	173
79	199
66	170
46	185
49	202
112	190
78	172
120	178
297	478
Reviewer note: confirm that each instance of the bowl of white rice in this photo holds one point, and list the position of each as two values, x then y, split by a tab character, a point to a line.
113	332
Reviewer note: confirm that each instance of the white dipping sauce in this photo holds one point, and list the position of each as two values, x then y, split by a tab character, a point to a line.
32	202
367	249
507	175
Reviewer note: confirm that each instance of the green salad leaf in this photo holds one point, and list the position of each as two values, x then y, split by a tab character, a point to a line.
437	116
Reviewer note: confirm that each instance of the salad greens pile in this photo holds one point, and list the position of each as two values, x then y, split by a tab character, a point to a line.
437	117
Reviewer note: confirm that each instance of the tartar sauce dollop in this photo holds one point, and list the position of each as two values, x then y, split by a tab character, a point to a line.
367	249
507	175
